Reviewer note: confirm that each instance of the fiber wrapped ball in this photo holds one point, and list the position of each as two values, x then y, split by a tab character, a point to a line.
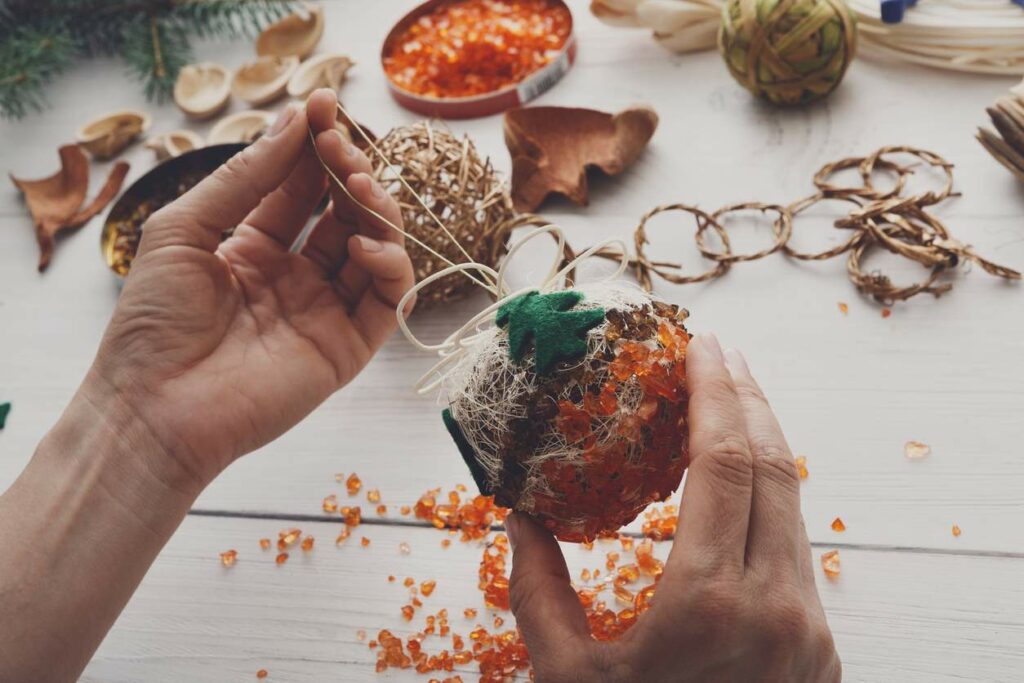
788	51
573	408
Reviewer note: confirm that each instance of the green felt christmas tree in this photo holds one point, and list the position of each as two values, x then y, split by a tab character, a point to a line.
548	322
41	38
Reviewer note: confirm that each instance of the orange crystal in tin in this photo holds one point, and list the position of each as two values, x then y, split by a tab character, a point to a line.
471	47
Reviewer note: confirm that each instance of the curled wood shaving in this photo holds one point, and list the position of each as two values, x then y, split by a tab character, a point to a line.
56	202
552	147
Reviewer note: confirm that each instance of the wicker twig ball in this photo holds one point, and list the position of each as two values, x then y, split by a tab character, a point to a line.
462	190
788	51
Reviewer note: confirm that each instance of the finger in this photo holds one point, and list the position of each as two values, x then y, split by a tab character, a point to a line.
352	278
326	243
224	198
772	539
548	611
715	507
390	270
283	213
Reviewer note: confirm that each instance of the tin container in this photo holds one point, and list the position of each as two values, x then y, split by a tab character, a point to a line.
164	183
510	96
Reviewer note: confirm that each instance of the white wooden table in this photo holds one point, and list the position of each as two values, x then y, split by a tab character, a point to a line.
913	603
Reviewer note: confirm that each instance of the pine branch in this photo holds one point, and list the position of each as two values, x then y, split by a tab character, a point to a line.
39	38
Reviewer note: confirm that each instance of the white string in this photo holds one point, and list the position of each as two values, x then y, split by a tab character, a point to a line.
456	345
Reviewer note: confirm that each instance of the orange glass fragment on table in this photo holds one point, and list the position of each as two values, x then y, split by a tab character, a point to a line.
830	563
886	312
342	536
330	503
427	587
364	541
353	484
265	544
915	450
843	308
382	510
228	557
307	543
801	466
837	525
404	548
261	674
956	531
373	495
470	47
469	613
281	558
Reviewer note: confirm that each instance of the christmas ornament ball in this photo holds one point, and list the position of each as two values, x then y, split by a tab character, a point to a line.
788	51
573	407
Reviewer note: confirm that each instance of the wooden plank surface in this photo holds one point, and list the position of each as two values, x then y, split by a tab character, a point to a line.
850	390
897	616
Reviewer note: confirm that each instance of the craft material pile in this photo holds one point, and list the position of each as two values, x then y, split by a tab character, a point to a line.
888	218
573	409
472	47
1006	143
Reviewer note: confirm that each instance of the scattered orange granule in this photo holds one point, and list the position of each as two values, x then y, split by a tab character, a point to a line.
364	541
307	543
373	496
342	536
627	543
915	450
287	538
801	466
261	674
886	312
469	613
470	47
330	503
228	557
585	575
493	580
956	530
360	635
830	563
837	525
427	587
498	621
353	484
645	559
382	510
660	523
611	560
628	573
843	308
408	612
473	518
404	548
445	542
405	510
281	558
352	516
409	582
339	477
265	544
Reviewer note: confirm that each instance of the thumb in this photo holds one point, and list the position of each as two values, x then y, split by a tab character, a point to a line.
547	609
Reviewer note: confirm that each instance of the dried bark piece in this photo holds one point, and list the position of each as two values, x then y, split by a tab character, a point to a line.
56	202
552	147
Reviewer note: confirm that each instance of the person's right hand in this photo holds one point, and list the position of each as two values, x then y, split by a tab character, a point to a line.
737	600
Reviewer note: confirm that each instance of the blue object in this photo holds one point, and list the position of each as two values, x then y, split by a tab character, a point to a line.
892	10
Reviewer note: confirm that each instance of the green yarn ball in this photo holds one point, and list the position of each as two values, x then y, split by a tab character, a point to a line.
788	51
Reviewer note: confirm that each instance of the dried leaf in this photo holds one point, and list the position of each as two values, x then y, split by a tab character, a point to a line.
56	202
552	147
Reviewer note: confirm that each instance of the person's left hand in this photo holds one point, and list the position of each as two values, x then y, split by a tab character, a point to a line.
217	348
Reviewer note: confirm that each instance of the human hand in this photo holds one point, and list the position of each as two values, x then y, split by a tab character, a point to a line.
218	348
737	600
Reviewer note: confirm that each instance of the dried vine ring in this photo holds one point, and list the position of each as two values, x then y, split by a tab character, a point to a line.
704	220
930	197
782	229
801	205
880	287
867	190
912	233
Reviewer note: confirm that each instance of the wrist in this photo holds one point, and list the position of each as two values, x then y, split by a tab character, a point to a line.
102	441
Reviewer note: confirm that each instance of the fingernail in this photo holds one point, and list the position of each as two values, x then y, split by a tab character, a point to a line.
736	362
369	244
512	529
710	342
283	119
